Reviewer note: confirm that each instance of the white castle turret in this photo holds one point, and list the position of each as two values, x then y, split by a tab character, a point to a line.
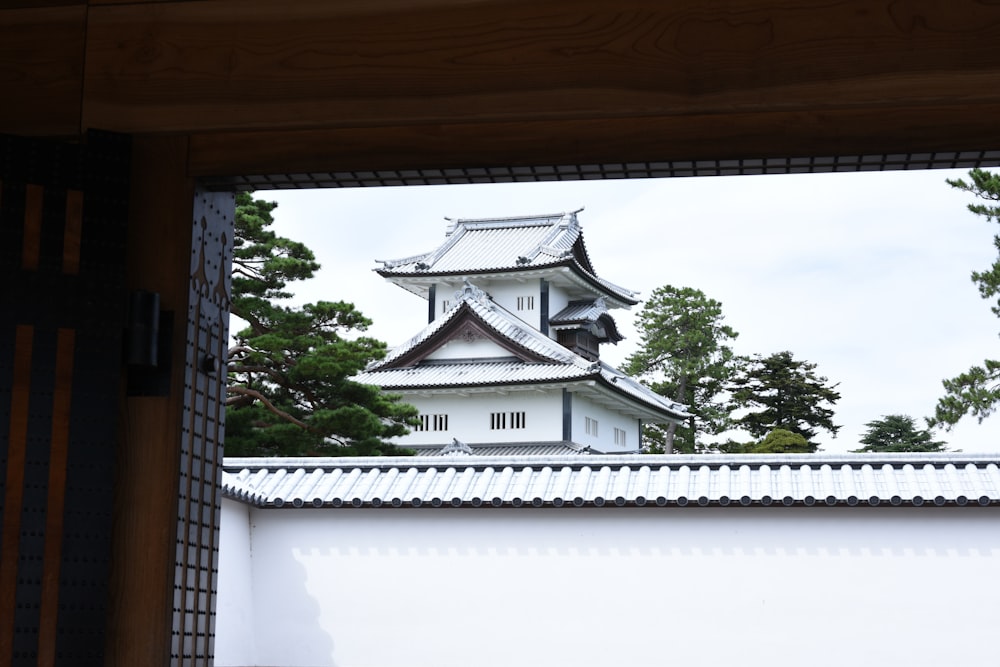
509	362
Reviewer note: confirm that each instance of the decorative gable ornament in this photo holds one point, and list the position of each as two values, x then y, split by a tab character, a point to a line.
471	292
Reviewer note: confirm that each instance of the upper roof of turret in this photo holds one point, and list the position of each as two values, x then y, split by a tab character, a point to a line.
491	246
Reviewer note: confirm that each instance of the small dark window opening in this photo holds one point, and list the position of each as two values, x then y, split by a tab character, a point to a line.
582	342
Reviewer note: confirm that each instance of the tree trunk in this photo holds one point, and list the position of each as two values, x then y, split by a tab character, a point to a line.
668	446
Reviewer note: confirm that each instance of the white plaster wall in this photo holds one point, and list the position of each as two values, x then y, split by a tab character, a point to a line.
558	299
444	292
625	586
469	417
234	635
607	421
506	292
476	349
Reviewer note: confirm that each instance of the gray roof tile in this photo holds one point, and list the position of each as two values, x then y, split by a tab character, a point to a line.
560	481
565	365
507	244
504	449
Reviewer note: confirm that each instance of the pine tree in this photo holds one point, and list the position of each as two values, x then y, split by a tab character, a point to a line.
898	433
290	392
684	356
977	391
783	393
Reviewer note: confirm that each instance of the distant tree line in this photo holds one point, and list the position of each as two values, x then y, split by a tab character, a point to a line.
290	391
685	354
779	401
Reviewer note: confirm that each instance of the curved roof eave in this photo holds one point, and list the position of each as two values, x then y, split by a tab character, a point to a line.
625	297
626	401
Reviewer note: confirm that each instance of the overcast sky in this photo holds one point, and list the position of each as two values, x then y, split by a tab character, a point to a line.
864	274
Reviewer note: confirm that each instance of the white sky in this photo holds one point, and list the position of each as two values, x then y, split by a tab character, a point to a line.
864	274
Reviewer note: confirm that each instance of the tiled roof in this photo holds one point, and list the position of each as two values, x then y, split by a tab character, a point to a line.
636	480
579	313
564	365
503	449
507	244
629	386
471	374
500	320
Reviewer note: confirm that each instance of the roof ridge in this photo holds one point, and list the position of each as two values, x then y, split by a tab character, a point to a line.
514	218
713	461
597	480
393	263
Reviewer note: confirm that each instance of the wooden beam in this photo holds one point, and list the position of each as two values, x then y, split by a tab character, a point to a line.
146	505
404	84
320	154
312	64
41	70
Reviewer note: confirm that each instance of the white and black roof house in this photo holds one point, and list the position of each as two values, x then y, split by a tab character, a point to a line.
516	308
549	246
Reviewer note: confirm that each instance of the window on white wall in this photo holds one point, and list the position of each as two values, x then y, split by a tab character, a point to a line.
507	420
525	303
445	305
432	423
590	426
619	436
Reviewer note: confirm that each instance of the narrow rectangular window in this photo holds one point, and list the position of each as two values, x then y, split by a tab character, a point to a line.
619	436
590	426
432	423
445	304
525	303
504	420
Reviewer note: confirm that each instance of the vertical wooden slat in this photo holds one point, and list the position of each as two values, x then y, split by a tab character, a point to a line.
143	607
31	246
62	324
73	232
58	454
14	490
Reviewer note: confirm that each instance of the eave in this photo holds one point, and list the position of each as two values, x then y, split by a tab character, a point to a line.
568	268
859	481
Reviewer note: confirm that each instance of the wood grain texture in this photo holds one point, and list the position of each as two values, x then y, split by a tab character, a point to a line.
173	67
17	443
145	513
604	141
73	232
31	243
701	79
41	69
56	499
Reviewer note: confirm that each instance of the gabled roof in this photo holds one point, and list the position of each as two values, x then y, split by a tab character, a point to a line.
852	480
472	306
503	245
585	314
535	359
